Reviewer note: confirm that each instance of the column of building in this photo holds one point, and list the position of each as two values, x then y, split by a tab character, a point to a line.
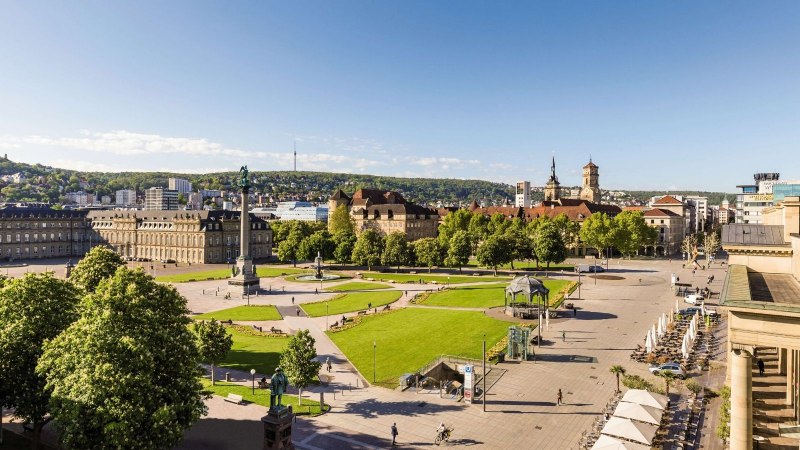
741	400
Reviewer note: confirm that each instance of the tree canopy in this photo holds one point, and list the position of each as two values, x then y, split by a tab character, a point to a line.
396	250
213	342
368	248
297	361
101	262
125	374
428	252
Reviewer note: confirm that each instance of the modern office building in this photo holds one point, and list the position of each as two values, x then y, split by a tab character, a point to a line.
180	185
79	198
125	197
523	197
305	211
753	198
157	198
702	213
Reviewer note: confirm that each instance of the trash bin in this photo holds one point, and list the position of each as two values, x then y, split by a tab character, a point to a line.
227	376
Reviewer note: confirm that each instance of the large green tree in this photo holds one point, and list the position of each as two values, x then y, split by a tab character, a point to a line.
213	342
458	250
321	242
340	221
632	232
428	252
493	252
368	248
478	230
520	243
453	222
101	262
395	251
598	232
297	361
548	244
33	310
345	243
126	374
289	248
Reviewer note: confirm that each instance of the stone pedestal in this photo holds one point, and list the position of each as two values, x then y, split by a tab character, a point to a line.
741	400
244	280
278	429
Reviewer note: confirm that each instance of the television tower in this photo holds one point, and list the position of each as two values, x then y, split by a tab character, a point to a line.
295	155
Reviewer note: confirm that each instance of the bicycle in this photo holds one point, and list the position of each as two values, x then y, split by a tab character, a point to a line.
443	436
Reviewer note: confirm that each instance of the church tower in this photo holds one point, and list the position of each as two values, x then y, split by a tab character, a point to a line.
591	183
552	190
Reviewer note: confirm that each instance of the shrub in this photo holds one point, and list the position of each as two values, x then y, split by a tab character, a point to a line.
636	382
694	387
724	427
650	358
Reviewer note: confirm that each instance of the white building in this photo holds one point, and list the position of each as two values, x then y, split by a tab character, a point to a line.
523	194
157	198
125	197
210	193
194	201
105	200
16	178
180	185
80	198
305	211
703	215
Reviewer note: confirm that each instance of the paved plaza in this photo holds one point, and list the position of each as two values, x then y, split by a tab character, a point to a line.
521	411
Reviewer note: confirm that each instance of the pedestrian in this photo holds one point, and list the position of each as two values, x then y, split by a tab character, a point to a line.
298	312
394	433
369	305
328	363
760	367
693	270
316	291
563	336
560	397
606	416
575	311
293	300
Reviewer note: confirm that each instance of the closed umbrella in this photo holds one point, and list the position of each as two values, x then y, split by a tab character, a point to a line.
648	343
660	328
611	443
685	347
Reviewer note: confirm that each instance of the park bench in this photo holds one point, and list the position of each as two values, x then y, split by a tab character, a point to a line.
276	330
335	325
362	313
234	398
263	384
257	328
229	321
387	307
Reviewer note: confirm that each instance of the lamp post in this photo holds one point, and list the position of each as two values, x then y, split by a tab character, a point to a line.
484	372
253	374
327	315
579	282
374	360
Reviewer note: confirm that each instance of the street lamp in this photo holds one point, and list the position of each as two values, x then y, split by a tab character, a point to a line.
326	316
253	374
374	360
579	282
484	372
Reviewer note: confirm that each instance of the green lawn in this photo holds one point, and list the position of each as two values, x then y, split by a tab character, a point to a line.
251	351
356	286
261	396
487	295
439	279
353	301
520	265
220	274
409	338
240	313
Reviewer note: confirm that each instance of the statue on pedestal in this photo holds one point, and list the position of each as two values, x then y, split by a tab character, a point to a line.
278	385
244	183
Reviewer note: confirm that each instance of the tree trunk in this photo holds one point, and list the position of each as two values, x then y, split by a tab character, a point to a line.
37	434
495	270
430	268
617	382
213	382
459	270
299	396
512	263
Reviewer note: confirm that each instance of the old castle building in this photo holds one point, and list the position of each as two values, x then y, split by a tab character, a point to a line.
39	232
183	236
388	212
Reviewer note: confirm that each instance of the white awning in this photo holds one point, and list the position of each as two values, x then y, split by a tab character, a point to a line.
642	413
611	443
628	429
647	398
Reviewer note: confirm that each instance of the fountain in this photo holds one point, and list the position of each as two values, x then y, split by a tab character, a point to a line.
318	275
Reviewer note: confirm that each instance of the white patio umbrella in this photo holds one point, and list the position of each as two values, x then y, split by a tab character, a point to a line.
665	320
611	443
644	397
670	318
648	343
677	307
628	429
641	413
660	327
653	331
685	347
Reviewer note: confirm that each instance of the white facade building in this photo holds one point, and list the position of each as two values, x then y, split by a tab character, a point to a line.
305	211
80	198
523	194
180	185
125	197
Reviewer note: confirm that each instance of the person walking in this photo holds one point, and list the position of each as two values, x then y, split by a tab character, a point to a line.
328	362
298	312
575	311
760	366
563	336
560	397
293	300
394	433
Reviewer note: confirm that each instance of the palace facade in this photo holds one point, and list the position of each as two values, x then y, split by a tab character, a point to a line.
38	232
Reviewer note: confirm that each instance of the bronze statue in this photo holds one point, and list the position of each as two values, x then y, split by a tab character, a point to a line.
278	385
243	174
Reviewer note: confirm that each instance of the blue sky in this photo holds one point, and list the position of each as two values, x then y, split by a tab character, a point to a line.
663	95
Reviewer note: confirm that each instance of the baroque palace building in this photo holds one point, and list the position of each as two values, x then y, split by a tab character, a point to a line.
183	236
41	232
387	212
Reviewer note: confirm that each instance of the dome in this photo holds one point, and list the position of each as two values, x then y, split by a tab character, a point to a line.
527	286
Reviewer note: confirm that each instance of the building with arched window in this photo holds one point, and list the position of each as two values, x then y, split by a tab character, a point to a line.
388	212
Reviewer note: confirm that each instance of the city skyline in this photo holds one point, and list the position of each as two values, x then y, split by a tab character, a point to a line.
660	96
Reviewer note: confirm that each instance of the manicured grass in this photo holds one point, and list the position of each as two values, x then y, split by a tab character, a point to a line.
309	272
221	274
487	295
267	312
520	265
356	286
251	351
261	396
439	279
409	338
352	301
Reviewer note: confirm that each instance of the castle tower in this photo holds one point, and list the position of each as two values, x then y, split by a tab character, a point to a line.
552	190
591	183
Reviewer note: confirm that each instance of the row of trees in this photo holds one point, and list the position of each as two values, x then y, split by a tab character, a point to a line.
110	356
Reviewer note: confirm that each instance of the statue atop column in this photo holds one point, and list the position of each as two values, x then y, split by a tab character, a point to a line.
244	182
243	276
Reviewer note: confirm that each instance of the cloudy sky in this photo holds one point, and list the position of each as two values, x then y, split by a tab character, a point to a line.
661	95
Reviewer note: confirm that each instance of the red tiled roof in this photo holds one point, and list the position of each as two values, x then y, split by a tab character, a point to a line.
658	212
668	200
633	208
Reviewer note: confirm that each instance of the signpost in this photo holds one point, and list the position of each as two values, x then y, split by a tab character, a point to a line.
469	373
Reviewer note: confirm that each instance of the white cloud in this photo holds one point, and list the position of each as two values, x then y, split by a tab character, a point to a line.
85	166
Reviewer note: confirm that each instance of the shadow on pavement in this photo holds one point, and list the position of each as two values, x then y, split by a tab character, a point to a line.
372	408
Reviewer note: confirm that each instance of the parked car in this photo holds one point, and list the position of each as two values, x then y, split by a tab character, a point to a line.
673	367
689	311
589	268
694	299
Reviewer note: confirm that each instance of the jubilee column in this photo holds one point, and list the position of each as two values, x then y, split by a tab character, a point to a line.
243	276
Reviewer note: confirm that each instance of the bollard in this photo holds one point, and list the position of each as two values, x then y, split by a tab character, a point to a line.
321	401
334	394
356	383
350	388
227	377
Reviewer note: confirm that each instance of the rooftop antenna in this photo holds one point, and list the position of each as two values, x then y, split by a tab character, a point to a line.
295	155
